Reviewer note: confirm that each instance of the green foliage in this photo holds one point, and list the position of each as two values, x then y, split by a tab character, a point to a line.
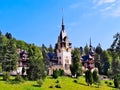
75	81
8	35
51	86
95	76
115	47
19	78
36	69
9	60
76	66
81	51
117	81
106	60
61	72
45	59
56	74
98	49
58	86
89	77
21	44
116	65
72	69
50	49
57	81
110	83
6	76
106	82
40	82
86	49
36	66
0	67
65	82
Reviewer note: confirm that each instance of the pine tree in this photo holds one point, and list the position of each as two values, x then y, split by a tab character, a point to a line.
89	77
76	66
10	57
50	49
95	76
36	66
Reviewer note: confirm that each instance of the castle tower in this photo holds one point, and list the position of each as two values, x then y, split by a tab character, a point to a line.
88	60
63	50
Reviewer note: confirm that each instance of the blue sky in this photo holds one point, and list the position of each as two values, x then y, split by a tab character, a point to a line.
39	21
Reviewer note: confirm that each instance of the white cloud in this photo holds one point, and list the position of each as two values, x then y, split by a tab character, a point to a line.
100	2
102	7
116	12
107	7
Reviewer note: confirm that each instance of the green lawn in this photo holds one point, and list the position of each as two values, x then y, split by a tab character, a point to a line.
65	82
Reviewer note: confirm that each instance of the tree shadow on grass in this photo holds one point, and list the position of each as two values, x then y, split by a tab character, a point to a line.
82	84
13	82
1	79
110	86
35	85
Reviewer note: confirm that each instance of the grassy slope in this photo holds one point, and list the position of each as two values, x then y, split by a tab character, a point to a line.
65	82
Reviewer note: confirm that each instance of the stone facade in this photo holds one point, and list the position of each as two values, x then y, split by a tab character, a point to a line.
62	60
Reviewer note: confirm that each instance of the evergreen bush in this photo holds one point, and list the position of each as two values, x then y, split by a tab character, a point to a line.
40	82
19	78
51	86
110	83
56	74
58	86
57	81
6	76
95	76
106	82
75	81
117	81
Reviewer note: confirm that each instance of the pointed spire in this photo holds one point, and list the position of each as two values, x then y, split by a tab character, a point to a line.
90	43
62	21
63	26
91	51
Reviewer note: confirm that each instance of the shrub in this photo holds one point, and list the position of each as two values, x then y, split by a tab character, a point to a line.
75	81
6	76
110	83
61	72
56	73
117	81
40	82
51	86
95	76
89	77
57	81
106	82
18	78
57	86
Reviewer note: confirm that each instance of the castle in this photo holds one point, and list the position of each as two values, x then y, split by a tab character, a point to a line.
61	59
88	60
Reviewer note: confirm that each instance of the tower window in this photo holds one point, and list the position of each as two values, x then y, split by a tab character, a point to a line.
59	57
59	50
67	49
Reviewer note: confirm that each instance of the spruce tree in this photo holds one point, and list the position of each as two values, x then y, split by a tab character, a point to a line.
36	66
89	77
76	66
